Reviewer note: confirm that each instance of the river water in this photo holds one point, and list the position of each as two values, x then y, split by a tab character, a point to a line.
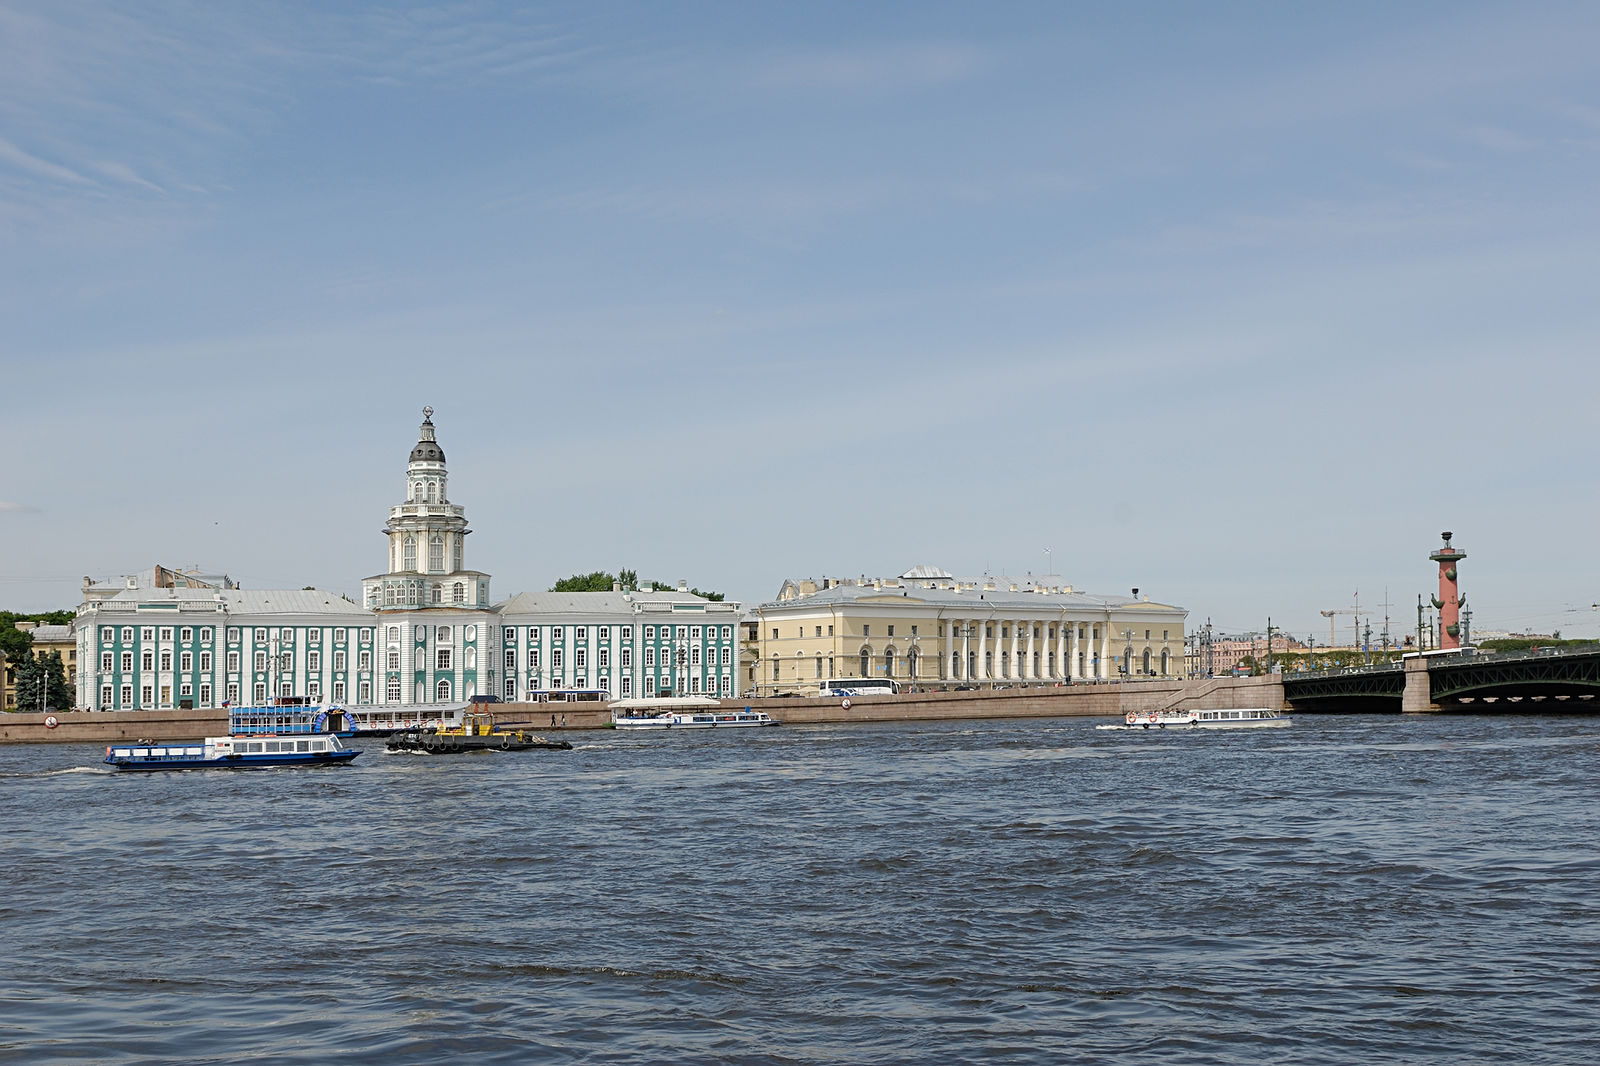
1352	889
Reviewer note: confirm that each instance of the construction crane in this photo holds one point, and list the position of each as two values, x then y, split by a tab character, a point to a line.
1355	610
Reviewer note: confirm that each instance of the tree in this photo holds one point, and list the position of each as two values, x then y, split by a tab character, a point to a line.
47	674
598	581
601	581
16	646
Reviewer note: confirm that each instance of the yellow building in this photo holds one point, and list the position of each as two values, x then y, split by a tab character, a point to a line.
928	629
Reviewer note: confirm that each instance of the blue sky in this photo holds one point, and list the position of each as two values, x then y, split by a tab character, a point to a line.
1239	304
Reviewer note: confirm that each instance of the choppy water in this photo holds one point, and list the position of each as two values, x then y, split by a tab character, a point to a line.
1356	889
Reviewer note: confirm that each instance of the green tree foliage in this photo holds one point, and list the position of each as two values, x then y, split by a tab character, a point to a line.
601	581
15	645
46	673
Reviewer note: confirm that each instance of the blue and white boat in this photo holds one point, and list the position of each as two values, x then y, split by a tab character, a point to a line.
233	753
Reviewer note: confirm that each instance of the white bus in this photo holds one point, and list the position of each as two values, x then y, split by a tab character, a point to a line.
860	686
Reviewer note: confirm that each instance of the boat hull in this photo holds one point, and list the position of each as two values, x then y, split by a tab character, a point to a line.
229	762
445	744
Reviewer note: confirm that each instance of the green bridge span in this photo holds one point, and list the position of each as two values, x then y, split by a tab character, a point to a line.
1556	679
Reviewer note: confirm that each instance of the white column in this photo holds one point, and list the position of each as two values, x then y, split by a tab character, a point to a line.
1061	652
1031	673
1105	648
1016	643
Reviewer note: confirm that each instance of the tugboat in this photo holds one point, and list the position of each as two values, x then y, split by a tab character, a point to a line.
477	733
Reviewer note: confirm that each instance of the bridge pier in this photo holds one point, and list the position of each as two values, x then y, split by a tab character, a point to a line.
1418	695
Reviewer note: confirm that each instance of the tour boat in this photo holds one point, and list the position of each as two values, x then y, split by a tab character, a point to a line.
1229	718
683	713
233	753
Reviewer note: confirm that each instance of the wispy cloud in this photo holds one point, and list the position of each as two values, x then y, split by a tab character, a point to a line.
11	507
888	68
27	161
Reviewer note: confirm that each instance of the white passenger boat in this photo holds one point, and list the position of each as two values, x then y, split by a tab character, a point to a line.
683	712
1226	718
233	753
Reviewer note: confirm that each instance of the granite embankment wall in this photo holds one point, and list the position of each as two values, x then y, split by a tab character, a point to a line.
89	727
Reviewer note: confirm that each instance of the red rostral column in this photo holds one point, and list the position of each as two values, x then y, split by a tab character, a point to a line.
1449	601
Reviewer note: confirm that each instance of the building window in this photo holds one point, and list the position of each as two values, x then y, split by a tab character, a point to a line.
605	658
533	658
819	666
166	633
185	661
726	656
627	657
260	692
444	634
441	691
435	548
393	690
627	686
866	663
147	661
627	632
313	661
866	631
364	660
555	634
511	688
511	661
649	656
442	659
364	692
605	632
409	554
105	662
338	660
186	634
394	658
649	632
338	692
582	658
459	594
555	659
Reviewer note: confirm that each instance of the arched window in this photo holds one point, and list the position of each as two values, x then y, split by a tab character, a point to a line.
442	690
460	593
1147	660
394	632
409	554
1165	663
436	553
456	553
888	662
430	491
438	593
866	662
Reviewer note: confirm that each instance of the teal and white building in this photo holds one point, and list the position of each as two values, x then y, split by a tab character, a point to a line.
425	631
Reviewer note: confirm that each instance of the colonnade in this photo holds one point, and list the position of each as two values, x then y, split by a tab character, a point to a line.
993	649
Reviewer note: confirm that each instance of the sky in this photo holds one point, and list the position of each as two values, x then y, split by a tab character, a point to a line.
1239	304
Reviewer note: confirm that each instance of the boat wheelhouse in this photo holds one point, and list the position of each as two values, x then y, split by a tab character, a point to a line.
233	753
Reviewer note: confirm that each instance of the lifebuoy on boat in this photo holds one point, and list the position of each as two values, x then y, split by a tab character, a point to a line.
1151	717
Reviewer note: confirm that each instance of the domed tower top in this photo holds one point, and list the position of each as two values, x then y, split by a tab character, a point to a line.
427	449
